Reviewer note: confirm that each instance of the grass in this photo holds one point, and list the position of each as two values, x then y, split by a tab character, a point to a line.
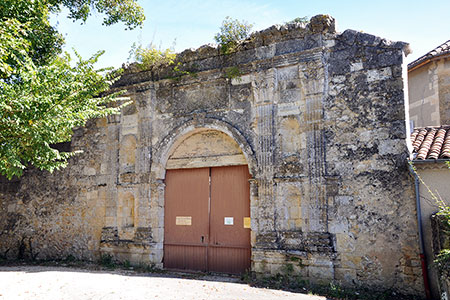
333	290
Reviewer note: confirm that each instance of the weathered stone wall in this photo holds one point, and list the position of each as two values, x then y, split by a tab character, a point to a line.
56	215
423	89
319	117
429	93
444	90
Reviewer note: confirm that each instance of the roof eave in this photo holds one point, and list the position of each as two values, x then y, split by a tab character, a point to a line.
426	61
430	161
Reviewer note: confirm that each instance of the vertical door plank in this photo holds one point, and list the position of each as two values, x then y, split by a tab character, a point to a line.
229	249
186	197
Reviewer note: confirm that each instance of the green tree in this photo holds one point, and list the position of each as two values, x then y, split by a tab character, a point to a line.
231	33
126	11
45	41
43	94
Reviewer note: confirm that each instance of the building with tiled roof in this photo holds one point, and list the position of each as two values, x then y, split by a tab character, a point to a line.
429	111
429	88
431	143
436	53
430	157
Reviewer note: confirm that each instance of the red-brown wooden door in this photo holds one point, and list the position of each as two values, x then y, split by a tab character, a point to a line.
229	247
186	204
217	201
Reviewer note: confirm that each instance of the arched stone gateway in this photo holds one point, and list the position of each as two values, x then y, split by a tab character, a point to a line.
206	191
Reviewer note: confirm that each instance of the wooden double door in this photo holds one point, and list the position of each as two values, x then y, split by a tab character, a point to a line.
207	219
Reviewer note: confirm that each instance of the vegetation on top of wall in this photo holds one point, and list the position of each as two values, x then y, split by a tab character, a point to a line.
152	56
231	33
302	20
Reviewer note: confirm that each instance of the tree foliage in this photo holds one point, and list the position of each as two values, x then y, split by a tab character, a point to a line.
126	11
43	107
33	16
231	33
43	94
13	48
45	41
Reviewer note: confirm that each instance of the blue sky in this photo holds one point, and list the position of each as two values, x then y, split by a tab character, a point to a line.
190	24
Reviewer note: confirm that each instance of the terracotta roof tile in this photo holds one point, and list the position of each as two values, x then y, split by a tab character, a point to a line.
438	51
431	142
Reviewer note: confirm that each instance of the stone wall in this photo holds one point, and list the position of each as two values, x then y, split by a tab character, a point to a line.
429	93
319	117
444	90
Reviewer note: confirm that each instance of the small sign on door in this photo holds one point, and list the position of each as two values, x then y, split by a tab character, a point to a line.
183	221
247	222
228	221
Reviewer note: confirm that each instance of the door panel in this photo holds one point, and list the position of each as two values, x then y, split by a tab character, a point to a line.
186	197
209	233
230	204
183	257
228	260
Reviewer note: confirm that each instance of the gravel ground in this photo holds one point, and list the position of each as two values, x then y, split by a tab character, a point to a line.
55	283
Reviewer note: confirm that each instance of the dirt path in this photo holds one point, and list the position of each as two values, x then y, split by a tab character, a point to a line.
55	283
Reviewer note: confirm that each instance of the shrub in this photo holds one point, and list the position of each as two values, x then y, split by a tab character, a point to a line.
151	56
303	20
231	33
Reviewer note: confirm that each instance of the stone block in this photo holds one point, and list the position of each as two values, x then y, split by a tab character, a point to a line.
350	260
377	75
357	66
110	211
345	277
110	221
295	212
260	267
158	234
156	256
89	171
320	274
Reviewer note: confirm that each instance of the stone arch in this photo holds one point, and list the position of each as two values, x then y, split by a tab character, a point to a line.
166	147
205	148
160	157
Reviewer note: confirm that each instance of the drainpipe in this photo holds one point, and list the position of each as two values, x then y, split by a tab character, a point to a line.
421	243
